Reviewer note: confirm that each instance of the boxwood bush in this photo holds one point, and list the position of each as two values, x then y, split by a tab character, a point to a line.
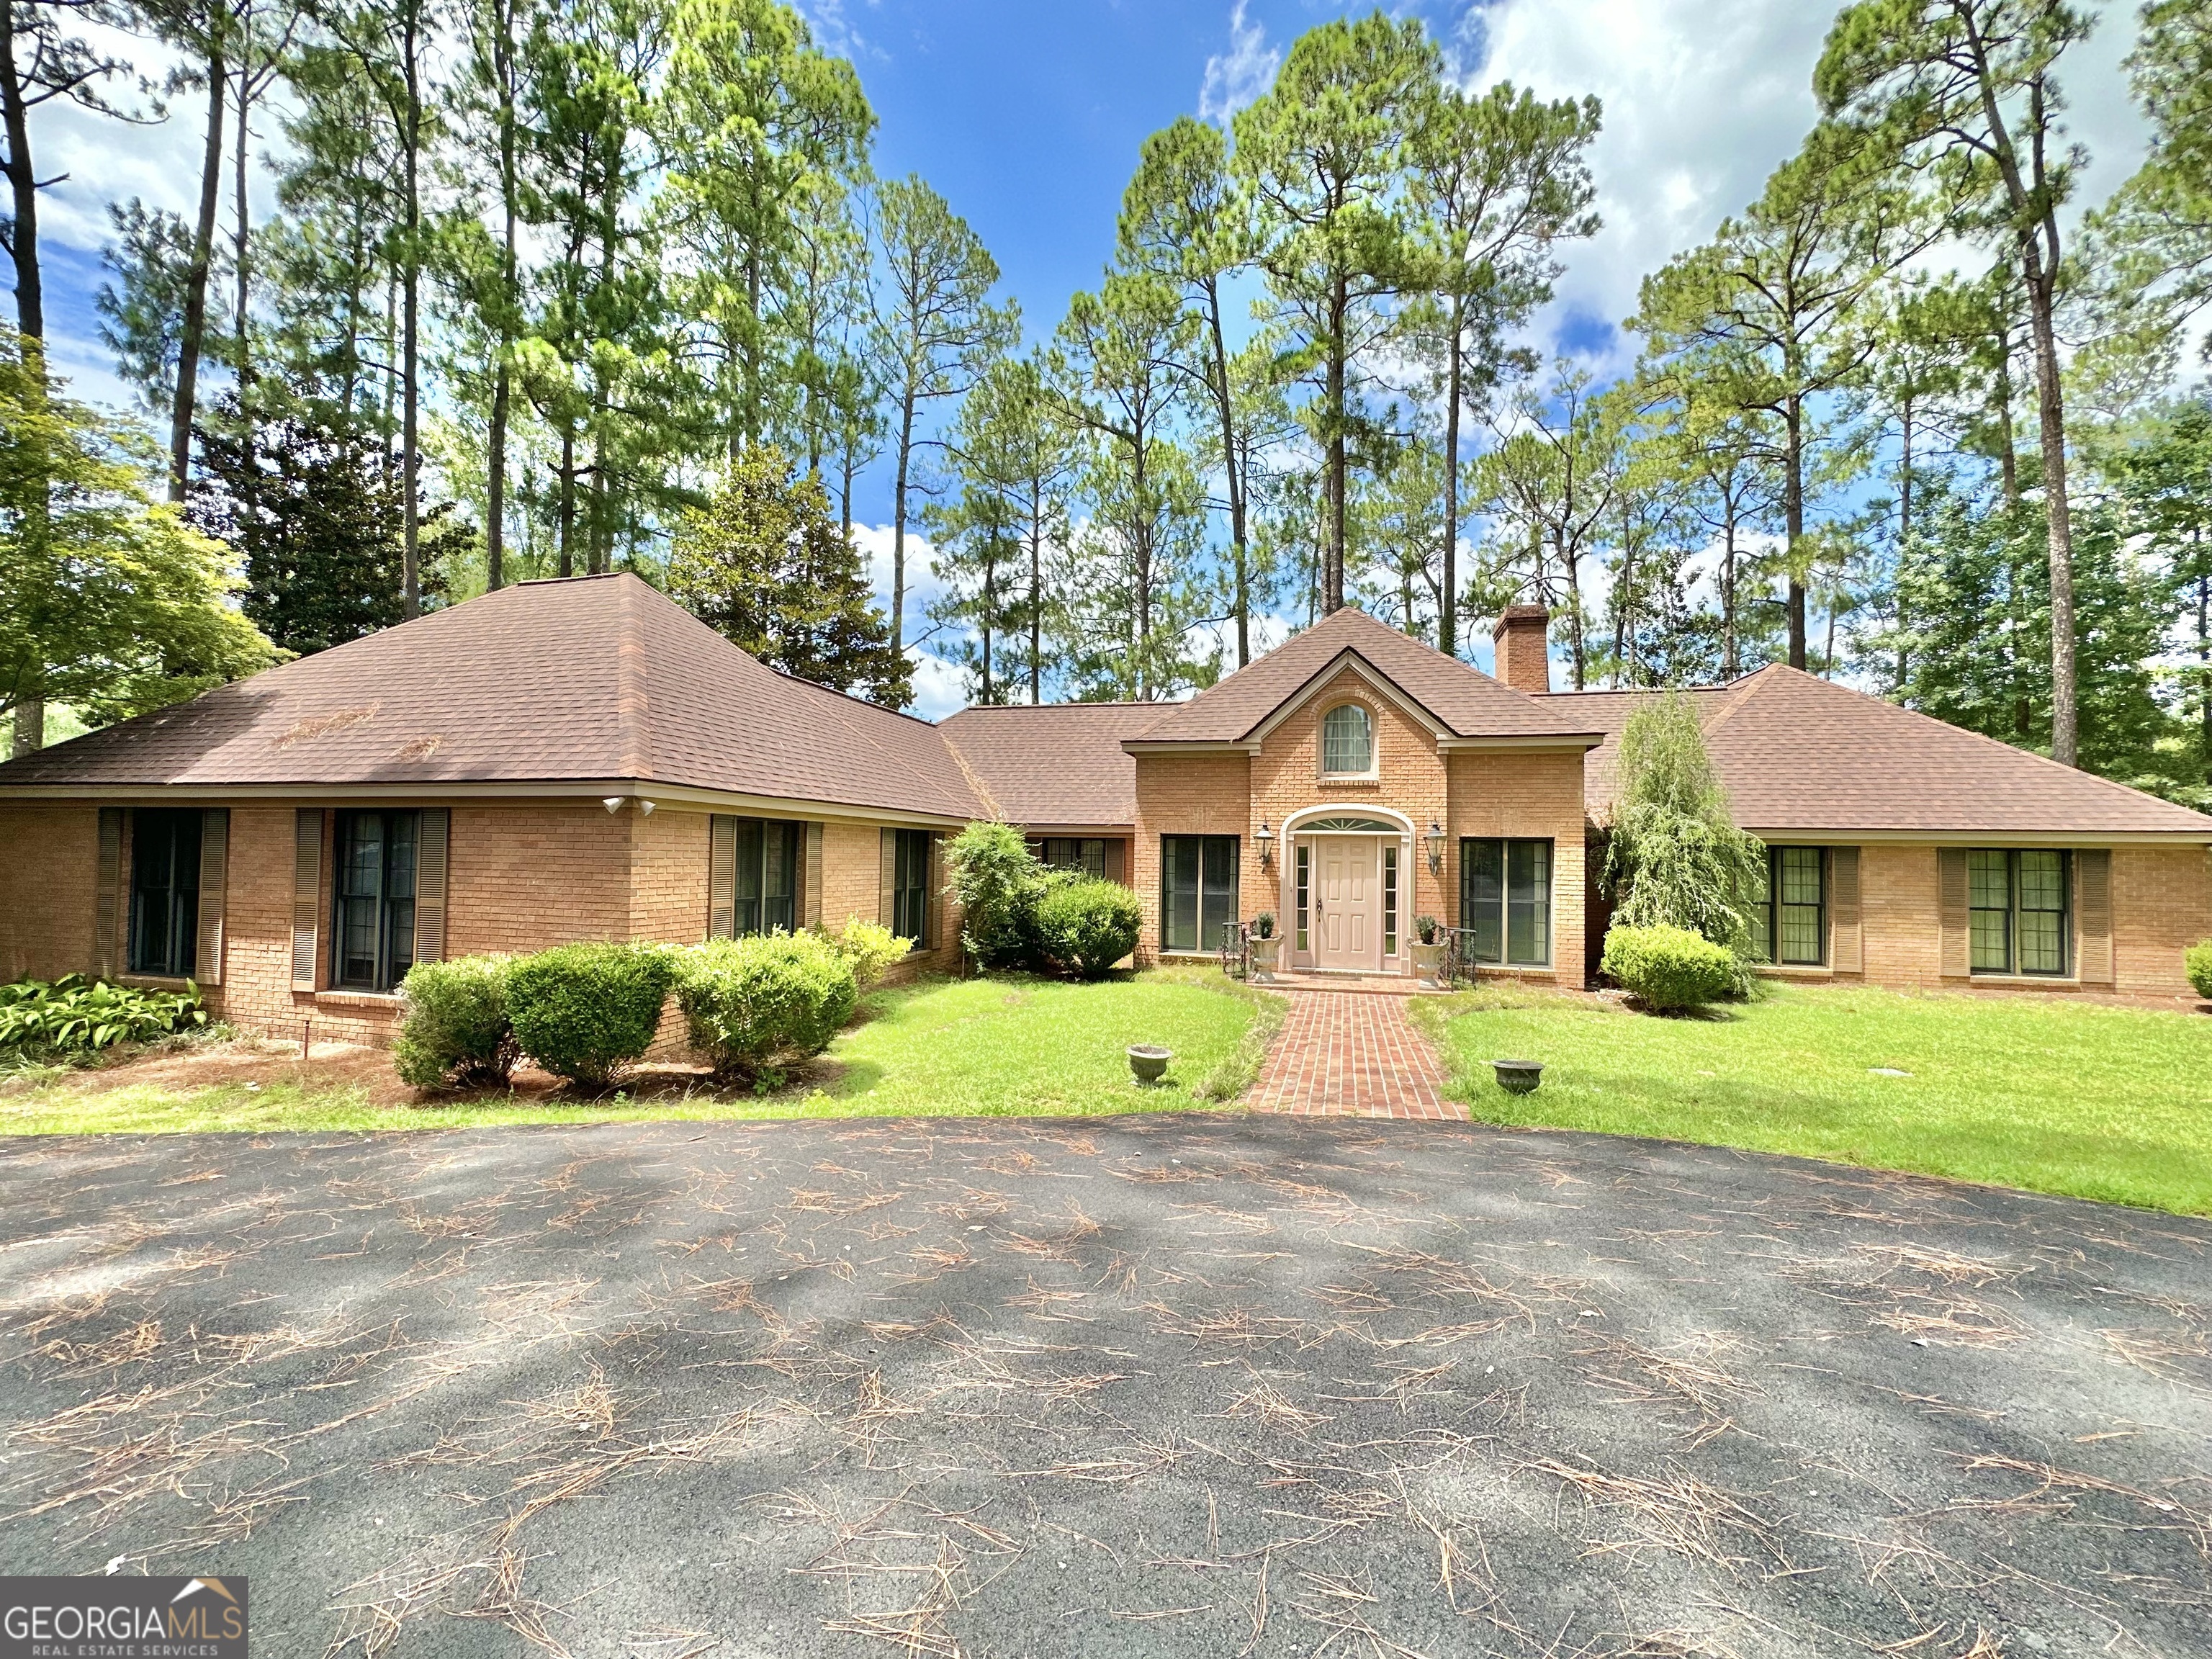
751	1003
1086	927
586	1012
1669	967
2196	963
456	1029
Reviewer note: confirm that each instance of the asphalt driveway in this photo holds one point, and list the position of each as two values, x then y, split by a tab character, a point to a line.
1177	1385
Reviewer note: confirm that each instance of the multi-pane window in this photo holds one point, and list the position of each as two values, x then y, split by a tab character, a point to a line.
1796	906
373	935
1086	853
1505	901
1389	901
1347	740
165	892
768	876
1304	891
2017	920
1198	891
910	885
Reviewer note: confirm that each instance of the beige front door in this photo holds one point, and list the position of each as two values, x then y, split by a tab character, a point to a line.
1347	903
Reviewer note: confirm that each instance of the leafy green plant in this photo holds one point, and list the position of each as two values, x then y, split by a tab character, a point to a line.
1667	969
870	948
78	1015
1674	857
1086	927
456	1029
2196	963
588	1011
749	1003
1424	929
1263	925
999	883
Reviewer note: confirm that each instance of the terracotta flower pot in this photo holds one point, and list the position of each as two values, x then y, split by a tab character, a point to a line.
1149	1062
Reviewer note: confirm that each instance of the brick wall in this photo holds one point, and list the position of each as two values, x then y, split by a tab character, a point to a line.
1536	794
852	885
1189	795
49	877
1524	794
2161	904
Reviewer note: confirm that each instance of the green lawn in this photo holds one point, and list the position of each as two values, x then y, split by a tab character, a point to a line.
978	1047
2096	1102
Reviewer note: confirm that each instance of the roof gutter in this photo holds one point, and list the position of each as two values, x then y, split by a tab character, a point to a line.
414	790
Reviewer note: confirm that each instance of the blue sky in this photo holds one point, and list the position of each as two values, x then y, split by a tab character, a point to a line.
1027	115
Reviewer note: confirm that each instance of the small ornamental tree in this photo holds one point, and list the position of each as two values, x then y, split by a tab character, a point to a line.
999	883
1674	857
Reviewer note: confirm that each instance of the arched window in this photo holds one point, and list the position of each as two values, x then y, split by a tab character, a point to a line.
1347	740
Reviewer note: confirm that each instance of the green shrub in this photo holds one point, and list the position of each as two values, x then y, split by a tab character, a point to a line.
1086	927
586	1012
749	1003
77	1015
1667	967
870	948
2196	962
456	1029
999	883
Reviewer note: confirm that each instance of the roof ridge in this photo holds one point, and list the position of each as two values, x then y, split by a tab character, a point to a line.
975	778
633	696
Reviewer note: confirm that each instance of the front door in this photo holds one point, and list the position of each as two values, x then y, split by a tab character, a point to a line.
1348	903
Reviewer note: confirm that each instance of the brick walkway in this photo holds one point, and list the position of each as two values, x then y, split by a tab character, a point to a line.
1340	1053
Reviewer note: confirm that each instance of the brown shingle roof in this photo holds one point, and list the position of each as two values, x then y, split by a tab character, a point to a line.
598	677
1798	753
1464	701
1057	763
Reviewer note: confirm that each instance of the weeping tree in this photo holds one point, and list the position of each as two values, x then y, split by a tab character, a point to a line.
1674	857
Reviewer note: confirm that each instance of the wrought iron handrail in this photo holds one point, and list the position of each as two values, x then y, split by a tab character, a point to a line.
1236	949
1458	962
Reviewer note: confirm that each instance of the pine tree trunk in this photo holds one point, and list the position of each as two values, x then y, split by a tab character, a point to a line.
410	460
1793	514
898	520
1448	601
23	194
1233	473
1333	489
2050	415
194	332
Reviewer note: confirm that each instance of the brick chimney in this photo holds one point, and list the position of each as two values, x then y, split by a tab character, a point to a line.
1523	635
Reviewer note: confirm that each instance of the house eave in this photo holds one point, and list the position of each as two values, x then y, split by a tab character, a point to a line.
406	792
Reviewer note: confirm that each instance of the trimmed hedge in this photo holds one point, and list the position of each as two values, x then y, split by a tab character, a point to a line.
1669	967
749	1003
2196	963
586	1011
1086	927
456	1030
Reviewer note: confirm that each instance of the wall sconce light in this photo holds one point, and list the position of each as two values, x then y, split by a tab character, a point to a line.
645	807
1265	839
1436	841
612	803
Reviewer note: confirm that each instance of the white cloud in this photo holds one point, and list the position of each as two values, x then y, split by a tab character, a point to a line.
940	688
1241	74
1703	99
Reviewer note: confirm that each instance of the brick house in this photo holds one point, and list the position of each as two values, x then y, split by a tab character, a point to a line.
582	759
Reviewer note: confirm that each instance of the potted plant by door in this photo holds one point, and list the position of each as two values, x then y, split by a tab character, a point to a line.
1267	948
1428	950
